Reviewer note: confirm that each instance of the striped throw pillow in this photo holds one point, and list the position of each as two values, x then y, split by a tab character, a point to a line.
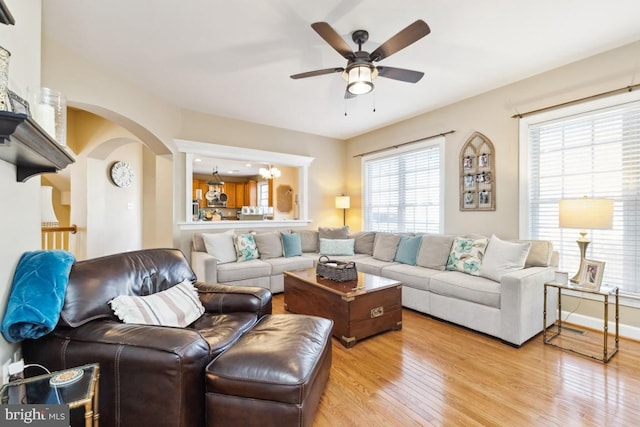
176	306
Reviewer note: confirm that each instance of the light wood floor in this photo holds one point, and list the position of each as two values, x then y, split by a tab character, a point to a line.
432	373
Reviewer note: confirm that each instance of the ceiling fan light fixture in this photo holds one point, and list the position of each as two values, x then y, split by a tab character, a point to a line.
360	79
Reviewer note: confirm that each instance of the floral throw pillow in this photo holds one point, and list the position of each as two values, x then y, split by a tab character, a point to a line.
466	255
246	247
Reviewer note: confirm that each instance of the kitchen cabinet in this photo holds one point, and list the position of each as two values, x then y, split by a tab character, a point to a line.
229	189
202	185
251	193
240	195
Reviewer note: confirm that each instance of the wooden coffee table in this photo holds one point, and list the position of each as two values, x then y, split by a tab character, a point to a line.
359	309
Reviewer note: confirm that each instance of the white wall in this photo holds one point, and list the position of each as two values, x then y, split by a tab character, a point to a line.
20	202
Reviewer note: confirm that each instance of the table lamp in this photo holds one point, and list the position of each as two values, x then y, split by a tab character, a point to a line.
585	214
343	202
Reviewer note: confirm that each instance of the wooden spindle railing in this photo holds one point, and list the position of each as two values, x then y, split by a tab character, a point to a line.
57	237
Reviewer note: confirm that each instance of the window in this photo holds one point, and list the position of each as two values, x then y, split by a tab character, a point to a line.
402	190
592	150
263	194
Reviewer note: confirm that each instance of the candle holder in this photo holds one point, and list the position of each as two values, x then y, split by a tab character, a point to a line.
49	109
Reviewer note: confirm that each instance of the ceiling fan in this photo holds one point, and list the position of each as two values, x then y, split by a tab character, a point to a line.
360	70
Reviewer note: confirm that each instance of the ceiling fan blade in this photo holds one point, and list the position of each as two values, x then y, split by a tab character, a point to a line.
333	38
404	38
317	73
401	74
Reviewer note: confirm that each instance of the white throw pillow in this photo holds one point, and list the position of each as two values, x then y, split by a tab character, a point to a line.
221	246
177	306
502	257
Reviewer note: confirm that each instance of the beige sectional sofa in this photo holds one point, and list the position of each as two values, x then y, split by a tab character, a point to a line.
483	283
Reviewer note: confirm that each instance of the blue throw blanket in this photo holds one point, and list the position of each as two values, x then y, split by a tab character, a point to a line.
37	294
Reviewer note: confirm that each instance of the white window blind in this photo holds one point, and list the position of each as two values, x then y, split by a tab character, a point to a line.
402	190
595	154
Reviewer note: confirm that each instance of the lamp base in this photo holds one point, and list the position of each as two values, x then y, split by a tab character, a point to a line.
582	244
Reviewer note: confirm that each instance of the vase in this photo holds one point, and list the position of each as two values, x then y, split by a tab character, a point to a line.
4	79
49	109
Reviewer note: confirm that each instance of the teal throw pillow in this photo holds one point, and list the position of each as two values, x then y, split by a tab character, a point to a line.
466	255
246	248
407	252
292	244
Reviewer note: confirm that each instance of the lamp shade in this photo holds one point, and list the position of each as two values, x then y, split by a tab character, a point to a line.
343	202
47	214
586	213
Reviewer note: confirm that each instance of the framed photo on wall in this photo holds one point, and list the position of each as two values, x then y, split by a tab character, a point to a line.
591	274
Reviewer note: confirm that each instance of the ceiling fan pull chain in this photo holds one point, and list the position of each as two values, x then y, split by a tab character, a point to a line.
374	102
345	108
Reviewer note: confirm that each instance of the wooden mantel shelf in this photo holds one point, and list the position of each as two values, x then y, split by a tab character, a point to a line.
25	144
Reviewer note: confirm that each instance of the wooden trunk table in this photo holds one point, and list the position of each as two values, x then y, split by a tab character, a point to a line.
359	309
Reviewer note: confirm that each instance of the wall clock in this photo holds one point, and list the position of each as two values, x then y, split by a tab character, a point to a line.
121	174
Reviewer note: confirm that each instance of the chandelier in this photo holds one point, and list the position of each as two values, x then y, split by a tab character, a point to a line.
270	172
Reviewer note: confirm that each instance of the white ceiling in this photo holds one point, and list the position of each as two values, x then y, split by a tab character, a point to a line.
234	58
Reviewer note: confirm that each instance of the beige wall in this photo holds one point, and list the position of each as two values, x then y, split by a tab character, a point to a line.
490	113
20	208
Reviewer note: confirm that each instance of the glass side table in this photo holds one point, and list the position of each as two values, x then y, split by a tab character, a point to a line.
603	291
65	387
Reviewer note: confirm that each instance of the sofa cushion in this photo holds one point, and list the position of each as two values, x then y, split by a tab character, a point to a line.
540	253
434	251
411	276
177	306
291	244
336	246
364	242
466	255
502	257
220	246
280	265
385	246
309	240
222	330
269	244
466	287
334	232
407	251
371	265
243	270
246	248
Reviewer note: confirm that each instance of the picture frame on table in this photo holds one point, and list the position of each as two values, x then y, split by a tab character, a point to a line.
590	275
18	105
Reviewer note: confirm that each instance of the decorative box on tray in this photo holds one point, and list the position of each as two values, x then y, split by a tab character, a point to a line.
339	271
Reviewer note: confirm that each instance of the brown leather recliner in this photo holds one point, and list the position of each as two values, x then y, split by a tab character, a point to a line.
149	375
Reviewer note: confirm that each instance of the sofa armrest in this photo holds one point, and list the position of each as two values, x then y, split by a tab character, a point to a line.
218	298
521	303
138	363
205	266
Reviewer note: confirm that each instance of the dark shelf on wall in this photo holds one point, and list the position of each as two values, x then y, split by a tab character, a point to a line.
25	144
5	15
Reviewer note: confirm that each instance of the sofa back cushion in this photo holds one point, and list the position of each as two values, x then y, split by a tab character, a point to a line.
540	254
385	246
364	242
269	244
95	282
334	232
309	240
434	251
407	251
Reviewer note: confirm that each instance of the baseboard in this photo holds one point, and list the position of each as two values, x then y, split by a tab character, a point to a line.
627	331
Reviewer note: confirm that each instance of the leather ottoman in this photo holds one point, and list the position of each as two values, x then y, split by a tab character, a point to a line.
274	375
